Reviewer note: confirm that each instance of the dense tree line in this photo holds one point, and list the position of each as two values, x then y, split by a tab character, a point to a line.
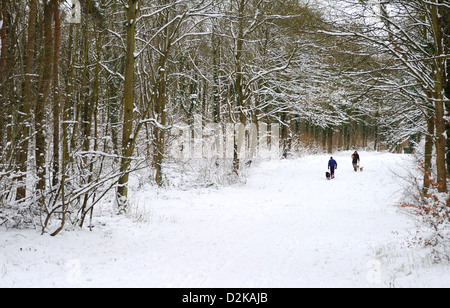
411	40
88	99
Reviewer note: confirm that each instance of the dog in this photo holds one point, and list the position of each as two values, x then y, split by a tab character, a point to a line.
328	175
361	169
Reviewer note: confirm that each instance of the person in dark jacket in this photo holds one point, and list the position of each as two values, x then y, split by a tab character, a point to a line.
332	165
355	161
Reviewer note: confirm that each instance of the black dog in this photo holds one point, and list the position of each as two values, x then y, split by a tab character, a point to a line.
328	175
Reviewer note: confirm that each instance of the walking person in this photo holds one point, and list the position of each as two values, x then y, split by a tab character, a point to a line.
355	161
332	165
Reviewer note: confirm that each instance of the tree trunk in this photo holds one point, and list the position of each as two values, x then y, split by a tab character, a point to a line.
160	94
215	87
25	116
446	27
439	77
128	104
160	100
285	134
440	146
3	50
56	96
43	93
238	84
428	153
65	132
160	104
89	164
330	133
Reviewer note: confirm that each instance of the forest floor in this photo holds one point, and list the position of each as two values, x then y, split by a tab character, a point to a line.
284	226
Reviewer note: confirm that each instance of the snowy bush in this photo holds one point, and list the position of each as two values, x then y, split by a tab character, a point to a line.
432	211
193	173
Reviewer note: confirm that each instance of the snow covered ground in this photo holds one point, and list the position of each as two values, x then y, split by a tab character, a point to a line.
287	226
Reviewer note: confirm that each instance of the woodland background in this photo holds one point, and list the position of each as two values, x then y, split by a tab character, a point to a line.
84	105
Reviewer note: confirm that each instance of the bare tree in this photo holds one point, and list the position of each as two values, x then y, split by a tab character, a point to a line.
415	53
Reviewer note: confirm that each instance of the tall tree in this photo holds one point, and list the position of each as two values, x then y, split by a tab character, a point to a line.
56	95
438	96
43	93
3	73
25	118
128	143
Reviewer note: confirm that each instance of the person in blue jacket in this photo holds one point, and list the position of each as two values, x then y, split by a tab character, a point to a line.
332	165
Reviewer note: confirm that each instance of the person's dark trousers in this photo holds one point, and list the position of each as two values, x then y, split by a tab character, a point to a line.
332	172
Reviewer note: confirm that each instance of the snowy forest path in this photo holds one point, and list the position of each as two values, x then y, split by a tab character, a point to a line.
286	226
